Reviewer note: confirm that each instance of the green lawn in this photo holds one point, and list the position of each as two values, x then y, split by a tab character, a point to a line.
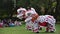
22	30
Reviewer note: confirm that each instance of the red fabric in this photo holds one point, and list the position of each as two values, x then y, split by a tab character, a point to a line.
1	25
36	30
28	27
47	29
43	24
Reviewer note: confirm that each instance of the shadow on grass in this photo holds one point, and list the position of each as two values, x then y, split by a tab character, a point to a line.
45	33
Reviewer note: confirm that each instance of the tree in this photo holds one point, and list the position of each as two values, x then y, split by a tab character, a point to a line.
6	7
23	3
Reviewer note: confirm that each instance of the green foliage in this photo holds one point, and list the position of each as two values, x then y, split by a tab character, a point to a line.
23	3
54	4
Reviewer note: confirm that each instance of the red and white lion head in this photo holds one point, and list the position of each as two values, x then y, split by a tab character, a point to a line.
21	13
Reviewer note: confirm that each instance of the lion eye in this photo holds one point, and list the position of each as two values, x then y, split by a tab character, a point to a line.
20	11
29	14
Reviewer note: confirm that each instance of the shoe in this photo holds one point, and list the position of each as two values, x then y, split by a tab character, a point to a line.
40	29
46	31
51	31
29	29
37	32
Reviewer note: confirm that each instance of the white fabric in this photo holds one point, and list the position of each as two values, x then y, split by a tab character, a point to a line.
41	19
28	23
28	13
35	26
33	10
20	16
28	19
21	9
50	20
45	18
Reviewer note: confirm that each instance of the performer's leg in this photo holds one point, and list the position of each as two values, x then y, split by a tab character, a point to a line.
52	28
35	27
29	25
47	27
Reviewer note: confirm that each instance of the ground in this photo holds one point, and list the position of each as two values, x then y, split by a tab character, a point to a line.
22	30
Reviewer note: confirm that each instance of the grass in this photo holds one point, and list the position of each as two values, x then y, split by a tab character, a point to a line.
22	30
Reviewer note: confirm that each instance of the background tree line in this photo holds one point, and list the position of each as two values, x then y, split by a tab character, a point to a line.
42	7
